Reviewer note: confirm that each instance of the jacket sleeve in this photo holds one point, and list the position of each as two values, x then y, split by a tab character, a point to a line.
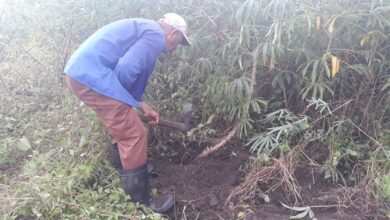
129	67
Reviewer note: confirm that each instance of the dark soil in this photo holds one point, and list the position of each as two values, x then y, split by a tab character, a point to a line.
201	188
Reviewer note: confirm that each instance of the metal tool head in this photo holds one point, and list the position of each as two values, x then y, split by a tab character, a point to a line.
187	114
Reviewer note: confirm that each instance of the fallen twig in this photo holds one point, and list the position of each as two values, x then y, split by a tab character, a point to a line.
210	150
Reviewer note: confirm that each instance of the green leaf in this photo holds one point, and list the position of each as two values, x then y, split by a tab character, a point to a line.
352	152
311	214
24	144
244	35
44	195
327	174
360	69
306	67
306	90
83	142
327	70
300	215
299	209
314	71
265	54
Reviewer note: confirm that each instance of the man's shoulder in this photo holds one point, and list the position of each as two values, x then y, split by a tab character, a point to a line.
129	28
139	22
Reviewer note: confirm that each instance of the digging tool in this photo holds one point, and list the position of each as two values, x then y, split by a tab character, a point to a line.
181	126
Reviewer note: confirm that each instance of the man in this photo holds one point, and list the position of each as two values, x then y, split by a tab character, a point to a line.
109	73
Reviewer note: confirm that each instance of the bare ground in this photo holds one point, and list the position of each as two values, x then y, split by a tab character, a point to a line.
202	187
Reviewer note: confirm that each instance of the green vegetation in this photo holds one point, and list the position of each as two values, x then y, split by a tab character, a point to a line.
304	78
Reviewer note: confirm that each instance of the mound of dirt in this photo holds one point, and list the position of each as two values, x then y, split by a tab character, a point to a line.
201	187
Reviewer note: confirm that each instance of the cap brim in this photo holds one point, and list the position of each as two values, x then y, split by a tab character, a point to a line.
186	41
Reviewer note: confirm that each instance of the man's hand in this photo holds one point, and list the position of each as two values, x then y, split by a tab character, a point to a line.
149	112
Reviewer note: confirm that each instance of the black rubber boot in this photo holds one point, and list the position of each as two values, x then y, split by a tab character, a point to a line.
135	182
116	159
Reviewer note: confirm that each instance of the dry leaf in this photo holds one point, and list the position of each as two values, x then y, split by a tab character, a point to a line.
271	64
331	25
318	23
335	65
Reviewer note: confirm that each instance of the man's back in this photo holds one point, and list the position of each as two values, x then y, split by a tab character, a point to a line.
111	59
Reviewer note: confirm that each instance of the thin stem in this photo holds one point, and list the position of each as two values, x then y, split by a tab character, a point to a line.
375	141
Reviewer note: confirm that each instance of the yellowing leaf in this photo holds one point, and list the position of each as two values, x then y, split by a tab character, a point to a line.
318	22
326	56
335	65
241	215
363	41
271	64
331	25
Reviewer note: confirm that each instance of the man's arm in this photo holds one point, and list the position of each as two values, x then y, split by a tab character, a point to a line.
148	111
139	59
128	68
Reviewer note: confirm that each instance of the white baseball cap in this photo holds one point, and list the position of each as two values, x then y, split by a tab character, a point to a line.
177	22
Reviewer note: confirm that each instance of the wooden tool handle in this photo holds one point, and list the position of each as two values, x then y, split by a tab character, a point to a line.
166	123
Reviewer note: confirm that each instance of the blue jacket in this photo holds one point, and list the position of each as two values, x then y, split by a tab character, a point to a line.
118	59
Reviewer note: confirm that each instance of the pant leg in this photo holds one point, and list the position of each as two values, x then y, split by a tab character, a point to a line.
121	121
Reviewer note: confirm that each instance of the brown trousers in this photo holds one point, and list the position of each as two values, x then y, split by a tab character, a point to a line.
121	121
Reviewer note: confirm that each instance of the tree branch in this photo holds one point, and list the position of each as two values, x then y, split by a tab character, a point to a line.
210	150
217	147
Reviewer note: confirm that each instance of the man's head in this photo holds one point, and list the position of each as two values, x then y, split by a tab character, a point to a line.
175	29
